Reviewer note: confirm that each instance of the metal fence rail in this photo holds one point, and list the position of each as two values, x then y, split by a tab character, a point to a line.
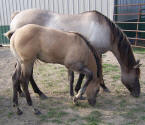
134	27
59	6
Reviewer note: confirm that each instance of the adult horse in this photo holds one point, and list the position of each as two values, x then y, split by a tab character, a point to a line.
100	31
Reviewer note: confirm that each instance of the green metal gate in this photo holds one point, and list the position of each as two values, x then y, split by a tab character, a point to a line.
3	39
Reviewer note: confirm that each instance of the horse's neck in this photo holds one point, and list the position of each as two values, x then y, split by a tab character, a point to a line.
124	55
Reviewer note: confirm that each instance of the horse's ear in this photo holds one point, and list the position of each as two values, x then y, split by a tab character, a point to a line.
137	64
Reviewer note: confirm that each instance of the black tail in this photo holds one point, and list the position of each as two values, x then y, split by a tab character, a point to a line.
94	53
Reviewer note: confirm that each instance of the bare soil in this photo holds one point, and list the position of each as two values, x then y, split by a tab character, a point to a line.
115	108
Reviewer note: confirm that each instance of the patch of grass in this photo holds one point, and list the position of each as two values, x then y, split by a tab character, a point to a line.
142	118
131	113
58	121
139	50
123	103
94	118
116	77
130	123
110	68
72	119
53	114
108	101
128	115
10	114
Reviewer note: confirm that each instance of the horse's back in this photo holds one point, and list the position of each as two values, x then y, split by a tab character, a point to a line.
51	44
93	25
30	16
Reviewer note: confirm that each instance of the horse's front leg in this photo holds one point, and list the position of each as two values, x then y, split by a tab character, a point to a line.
102	84
79	82
89	77
71	81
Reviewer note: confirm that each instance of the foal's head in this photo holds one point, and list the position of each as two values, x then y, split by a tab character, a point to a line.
92	91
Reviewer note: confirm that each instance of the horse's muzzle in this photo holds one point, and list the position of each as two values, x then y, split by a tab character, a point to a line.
136	90
92	102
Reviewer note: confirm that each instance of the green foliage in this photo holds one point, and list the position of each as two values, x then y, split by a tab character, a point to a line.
139	50
109	68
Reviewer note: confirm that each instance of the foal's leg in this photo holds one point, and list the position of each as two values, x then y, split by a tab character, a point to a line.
71	79
83	70
26	74
21	93
35	87
79	82
17	66
16	84
89	77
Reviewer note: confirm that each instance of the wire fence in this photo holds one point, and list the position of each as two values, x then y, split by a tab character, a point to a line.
130	16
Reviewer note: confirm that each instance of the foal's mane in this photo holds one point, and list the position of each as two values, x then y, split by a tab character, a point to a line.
119	38
97	58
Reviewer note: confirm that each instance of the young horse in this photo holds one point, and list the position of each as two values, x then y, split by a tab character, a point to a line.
72	50
100	31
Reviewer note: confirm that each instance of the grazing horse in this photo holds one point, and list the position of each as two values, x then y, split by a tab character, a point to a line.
70	49
100	31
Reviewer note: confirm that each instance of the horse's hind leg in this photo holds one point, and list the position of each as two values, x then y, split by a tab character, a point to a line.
21	94
35	87
71	80
25	77
16	84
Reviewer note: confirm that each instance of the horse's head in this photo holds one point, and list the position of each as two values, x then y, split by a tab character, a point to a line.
92	91
131	79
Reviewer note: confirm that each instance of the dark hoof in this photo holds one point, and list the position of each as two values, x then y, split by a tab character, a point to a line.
21	94
37	112
43	96
106	90
19	112
75	101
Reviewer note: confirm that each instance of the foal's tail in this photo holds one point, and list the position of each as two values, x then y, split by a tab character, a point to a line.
9	34
97	58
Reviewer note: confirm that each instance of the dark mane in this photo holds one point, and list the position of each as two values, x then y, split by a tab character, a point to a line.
119	38
97	59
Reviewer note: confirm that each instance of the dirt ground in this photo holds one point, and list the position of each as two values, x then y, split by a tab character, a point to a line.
115	108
